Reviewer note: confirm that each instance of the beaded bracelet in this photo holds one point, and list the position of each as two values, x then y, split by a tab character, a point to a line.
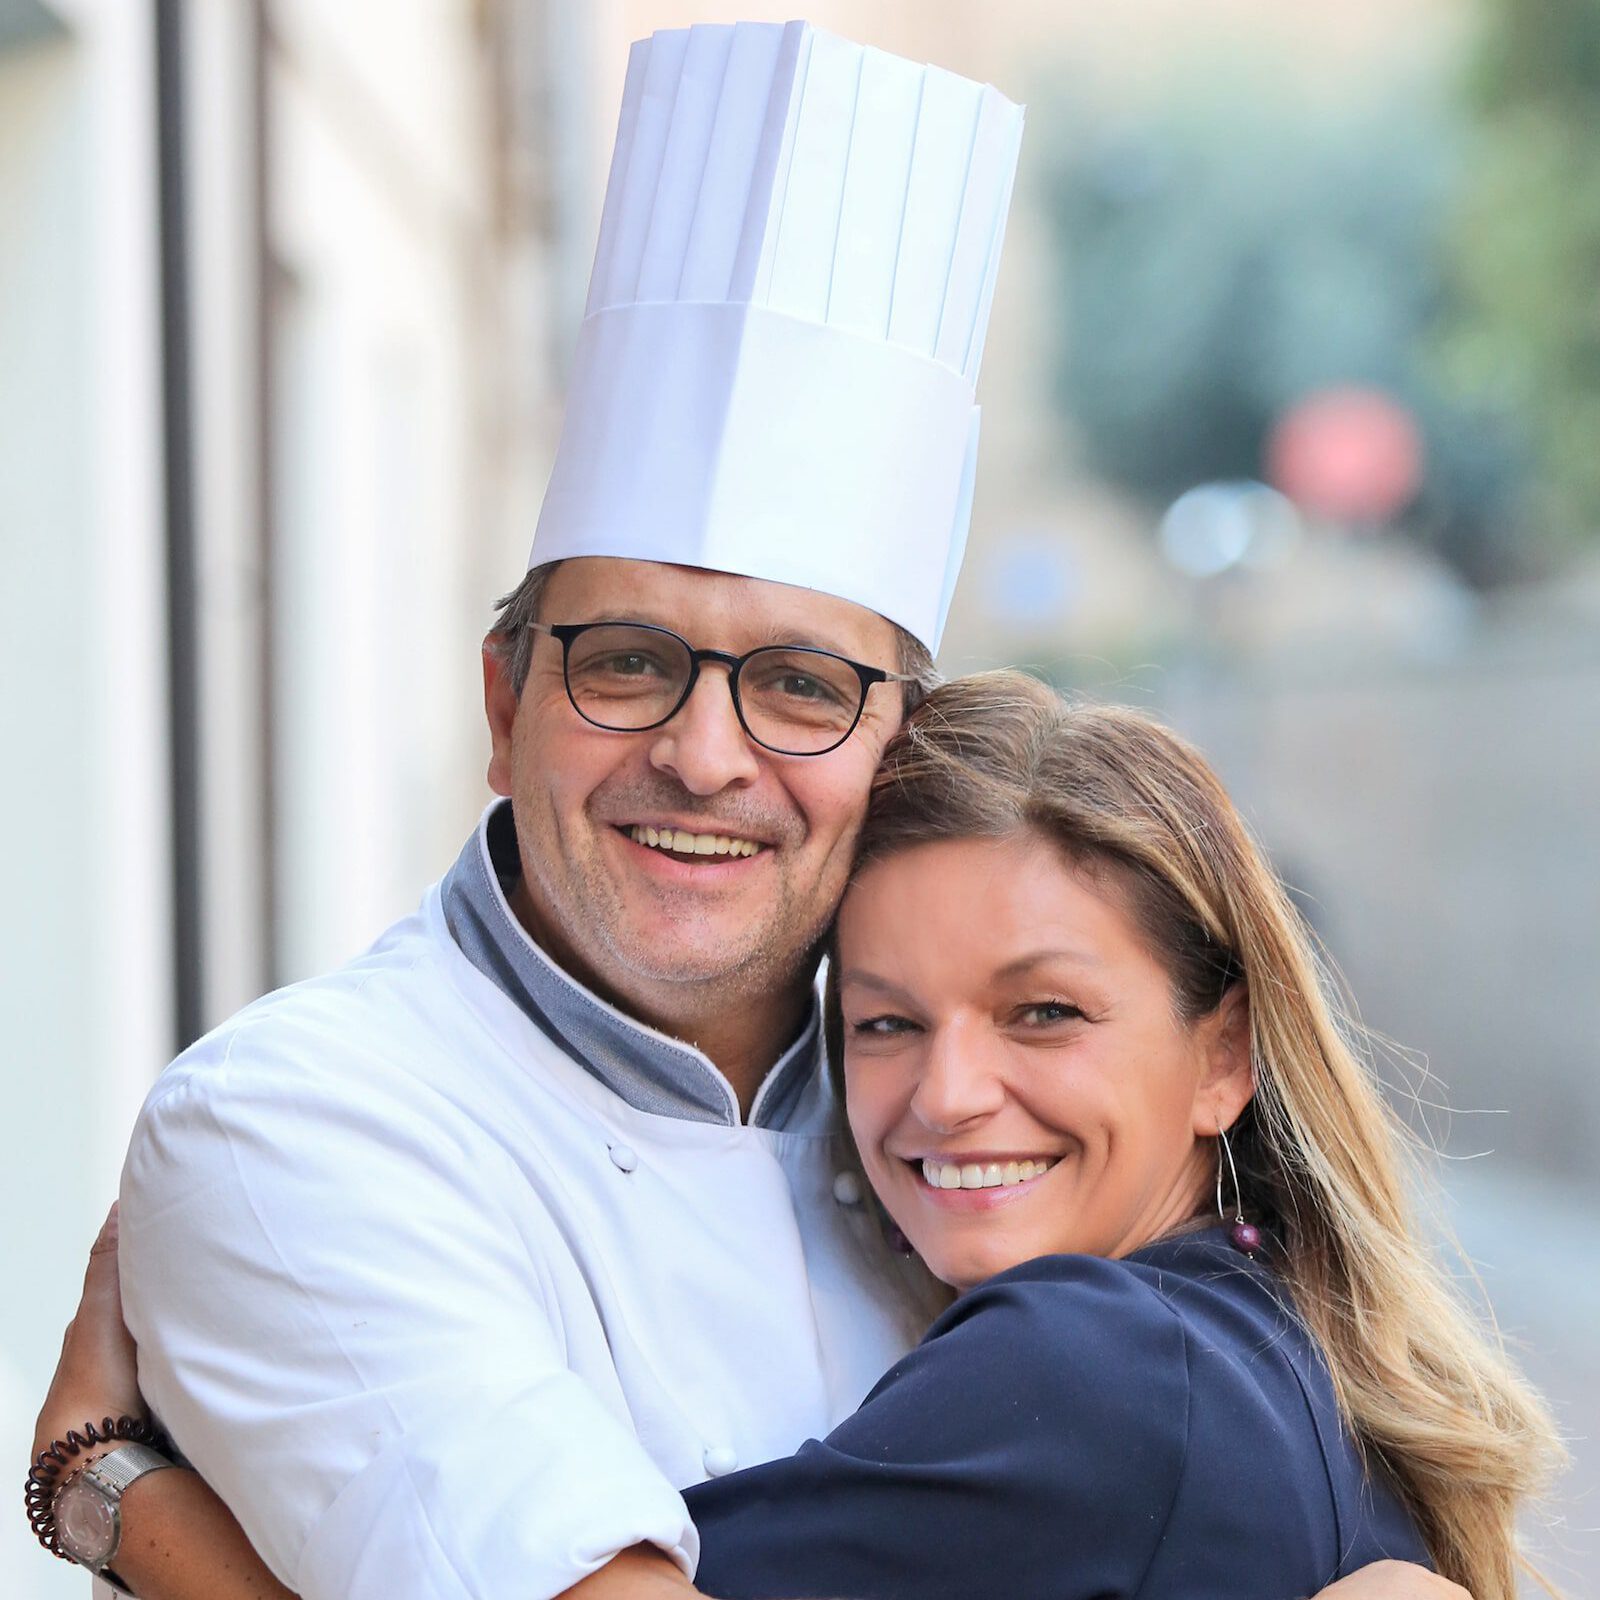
44	1477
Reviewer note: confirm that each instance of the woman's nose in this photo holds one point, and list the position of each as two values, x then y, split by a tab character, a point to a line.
960	1080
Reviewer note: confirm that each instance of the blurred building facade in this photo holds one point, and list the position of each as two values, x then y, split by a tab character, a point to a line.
277	389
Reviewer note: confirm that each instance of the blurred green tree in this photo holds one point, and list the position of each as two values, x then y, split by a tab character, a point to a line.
1526	337
1234	253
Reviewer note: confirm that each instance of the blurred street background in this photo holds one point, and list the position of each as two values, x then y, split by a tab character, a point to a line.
1291	434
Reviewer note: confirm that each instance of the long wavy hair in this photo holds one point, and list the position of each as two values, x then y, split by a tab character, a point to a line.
1422	1381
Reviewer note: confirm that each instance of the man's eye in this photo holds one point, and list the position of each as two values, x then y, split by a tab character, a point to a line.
800	687
631	665
773	678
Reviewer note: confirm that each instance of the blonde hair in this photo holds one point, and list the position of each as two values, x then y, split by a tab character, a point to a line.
1423	1384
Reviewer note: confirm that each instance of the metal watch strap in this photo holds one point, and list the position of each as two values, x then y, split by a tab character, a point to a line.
116	1472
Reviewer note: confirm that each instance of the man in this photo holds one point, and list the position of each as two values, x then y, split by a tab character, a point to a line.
554	1162
449	1268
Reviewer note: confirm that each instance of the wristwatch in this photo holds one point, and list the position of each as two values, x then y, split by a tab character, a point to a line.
88	1506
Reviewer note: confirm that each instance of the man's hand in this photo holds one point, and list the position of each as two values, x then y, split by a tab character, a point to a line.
97	1376
1394	1580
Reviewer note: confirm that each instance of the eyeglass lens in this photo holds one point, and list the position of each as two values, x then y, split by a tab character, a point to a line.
794	701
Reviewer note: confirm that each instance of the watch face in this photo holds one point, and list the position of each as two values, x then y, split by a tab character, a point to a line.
86	1524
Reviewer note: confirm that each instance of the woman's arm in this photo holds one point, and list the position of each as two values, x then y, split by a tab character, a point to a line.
1394	1580
179	1541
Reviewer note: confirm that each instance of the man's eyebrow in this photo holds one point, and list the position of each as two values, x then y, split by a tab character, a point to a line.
871	653
776	636
620	614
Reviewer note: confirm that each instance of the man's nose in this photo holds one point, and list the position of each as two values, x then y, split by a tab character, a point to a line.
704	746
960	1081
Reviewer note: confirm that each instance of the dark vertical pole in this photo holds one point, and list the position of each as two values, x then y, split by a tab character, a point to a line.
177	444
265	298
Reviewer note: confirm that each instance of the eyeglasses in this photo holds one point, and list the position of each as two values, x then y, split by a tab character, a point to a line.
794	700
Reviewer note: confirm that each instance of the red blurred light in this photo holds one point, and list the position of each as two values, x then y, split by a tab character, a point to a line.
1347	455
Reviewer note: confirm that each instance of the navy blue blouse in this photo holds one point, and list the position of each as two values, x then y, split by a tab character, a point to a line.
1160	1426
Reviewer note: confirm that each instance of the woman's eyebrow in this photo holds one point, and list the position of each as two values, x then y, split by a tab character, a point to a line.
856	978
1038	958
862	979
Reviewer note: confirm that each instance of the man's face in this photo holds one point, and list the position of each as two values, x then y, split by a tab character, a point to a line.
629	917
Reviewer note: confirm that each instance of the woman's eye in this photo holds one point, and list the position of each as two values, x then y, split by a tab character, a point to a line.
1046	1013
882	1027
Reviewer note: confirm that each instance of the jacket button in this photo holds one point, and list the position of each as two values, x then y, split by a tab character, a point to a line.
847	1189
719	1459
623	1158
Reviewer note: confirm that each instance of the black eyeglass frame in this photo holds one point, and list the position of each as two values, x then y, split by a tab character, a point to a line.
566	632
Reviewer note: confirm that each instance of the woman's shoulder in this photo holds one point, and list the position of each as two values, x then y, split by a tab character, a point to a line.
1117	1319
1258	1409
1194	1284
1177	1335
1181	1349
1078	1364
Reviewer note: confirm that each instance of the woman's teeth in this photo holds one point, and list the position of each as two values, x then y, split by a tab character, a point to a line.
982	1175
693	844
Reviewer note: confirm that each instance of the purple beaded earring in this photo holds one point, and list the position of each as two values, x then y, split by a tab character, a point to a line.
1246	1236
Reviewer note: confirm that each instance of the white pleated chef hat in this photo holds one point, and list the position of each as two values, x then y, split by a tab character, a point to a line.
776	369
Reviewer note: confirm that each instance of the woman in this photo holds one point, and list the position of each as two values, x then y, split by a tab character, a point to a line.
1196	1348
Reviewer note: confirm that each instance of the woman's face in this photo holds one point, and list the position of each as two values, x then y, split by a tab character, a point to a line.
1002	1017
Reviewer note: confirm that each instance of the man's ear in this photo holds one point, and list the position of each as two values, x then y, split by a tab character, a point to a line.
500	707
1228	1079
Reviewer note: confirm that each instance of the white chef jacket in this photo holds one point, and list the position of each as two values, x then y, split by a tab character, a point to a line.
441	1314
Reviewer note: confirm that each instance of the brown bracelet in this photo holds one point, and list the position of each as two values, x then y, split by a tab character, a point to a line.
44	1477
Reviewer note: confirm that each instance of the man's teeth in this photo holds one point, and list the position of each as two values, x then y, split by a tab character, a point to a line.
693	844
982	1175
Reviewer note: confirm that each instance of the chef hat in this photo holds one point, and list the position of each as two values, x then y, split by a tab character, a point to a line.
776	367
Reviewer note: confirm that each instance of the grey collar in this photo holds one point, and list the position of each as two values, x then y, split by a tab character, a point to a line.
648	1070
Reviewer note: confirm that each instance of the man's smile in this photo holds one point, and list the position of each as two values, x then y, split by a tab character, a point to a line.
685	842
679	858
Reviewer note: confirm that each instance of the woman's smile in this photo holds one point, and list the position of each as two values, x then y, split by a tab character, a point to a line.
978	1184
983	1172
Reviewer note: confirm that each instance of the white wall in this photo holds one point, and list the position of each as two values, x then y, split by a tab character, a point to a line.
83	811
398	427
381	221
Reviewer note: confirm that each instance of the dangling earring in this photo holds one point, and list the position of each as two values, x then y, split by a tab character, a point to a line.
1246	1236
